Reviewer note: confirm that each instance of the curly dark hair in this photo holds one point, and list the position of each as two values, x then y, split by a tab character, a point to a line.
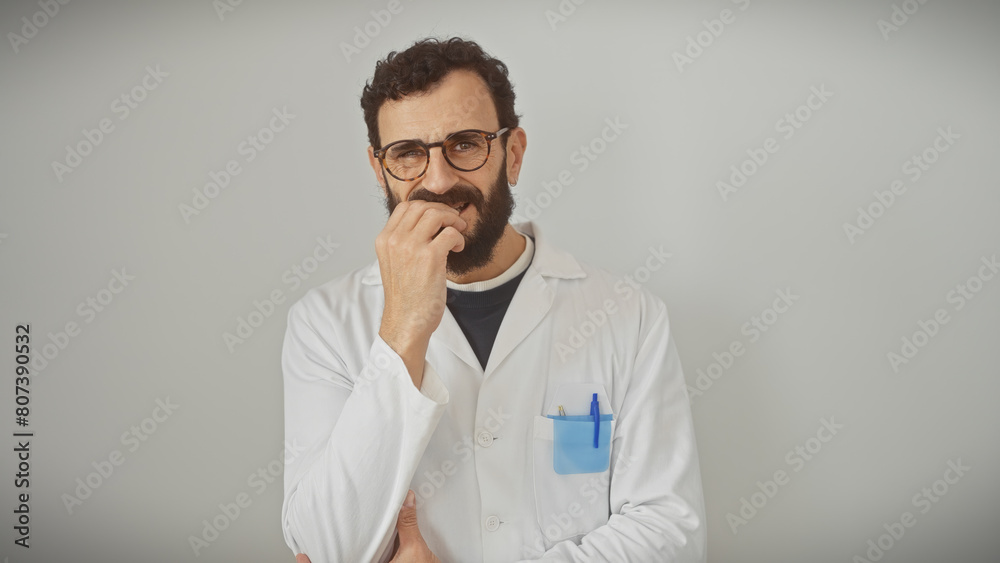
423	65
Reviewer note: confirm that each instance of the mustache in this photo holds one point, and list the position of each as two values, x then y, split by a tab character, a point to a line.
456	194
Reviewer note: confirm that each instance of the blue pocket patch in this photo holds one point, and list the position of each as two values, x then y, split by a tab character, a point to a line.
573	444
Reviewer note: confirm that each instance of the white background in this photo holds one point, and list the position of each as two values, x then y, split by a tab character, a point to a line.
655	185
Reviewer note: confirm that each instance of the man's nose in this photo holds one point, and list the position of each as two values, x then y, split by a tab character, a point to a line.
440	176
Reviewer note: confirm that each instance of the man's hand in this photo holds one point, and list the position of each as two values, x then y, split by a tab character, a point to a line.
412	254
412	548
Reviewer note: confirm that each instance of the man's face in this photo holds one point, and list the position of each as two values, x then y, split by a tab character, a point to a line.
459	101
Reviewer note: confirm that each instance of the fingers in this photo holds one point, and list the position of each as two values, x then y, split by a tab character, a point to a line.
433	221
449	239
426	219
406	524
418	223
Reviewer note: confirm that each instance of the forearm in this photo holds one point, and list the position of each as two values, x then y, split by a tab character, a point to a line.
342	499
673	534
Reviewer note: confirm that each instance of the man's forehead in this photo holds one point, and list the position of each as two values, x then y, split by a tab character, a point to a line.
460	101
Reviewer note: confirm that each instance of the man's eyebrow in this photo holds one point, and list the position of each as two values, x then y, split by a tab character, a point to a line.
445	136
428	142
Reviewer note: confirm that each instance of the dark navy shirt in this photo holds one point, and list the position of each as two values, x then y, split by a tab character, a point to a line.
479	314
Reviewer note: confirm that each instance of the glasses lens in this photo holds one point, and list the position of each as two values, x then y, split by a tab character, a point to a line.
405	159
467	150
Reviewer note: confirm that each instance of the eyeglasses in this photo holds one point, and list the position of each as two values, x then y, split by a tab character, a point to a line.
465	150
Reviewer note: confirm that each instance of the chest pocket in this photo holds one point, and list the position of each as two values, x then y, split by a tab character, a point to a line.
569	502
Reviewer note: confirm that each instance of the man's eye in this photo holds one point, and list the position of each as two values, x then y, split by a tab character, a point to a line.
408	152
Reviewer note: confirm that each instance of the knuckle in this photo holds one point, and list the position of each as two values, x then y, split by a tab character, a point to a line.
408	519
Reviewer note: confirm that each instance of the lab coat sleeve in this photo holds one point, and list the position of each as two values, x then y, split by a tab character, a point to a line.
656	499
361	435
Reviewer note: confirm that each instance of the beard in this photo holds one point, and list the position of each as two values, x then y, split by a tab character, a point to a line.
482	236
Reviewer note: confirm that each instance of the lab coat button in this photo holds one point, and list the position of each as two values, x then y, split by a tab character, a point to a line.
485	439
492	523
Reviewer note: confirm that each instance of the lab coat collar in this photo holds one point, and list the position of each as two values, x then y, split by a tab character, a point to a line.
528	307
550	261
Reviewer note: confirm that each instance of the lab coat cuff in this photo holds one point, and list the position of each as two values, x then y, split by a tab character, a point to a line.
432	388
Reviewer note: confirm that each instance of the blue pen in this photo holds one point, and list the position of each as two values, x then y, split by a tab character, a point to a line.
595	411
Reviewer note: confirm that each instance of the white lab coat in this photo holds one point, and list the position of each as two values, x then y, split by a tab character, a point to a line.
474	444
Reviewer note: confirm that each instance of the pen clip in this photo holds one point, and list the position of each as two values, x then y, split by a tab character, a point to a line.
595	411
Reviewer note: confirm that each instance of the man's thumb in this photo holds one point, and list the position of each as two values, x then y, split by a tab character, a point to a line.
407	522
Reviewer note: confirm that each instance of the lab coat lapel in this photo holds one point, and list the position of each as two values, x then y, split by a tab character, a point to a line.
450	335
530	304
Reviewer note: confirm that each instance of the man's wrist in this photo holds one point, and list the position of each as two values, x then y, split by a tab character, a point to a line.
412	351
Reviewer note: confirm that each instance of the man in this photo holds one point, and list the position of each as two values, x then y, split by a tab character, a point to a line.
451	390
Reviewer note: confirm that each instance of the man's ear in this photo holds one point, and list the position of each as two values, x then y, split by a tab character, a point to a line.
376	168
517	142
